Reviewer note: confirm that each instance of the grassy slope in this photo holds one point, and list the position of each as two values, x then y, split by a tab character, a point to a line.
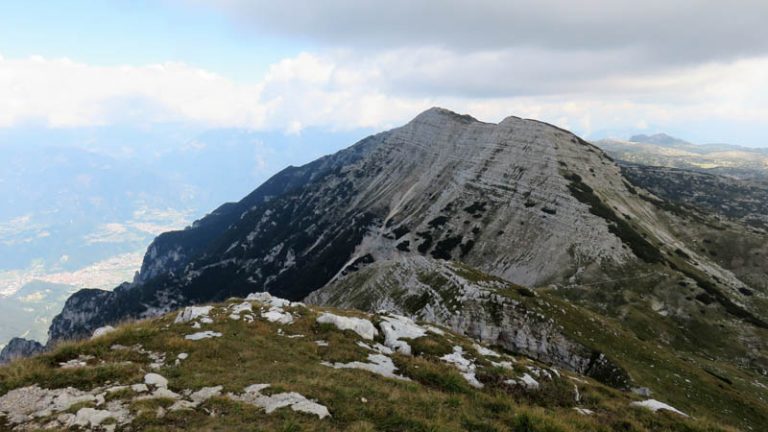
438	399
677	370
706	356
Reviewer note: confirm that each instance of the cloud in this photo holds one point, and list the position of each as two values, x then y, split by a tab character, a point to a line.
34	297
587	64
342	89
64	93
670	32
388	88
593	63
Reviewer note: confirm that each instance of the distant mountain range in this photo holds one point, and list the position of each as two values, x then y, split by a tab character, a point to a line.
721	179
665	151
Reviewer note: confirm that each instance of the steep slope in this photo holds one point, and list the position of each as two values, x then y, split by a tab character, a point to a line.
268	364
471	303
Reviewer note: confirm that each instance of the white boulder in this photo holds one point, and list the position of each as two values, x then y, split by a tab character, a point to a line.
191	313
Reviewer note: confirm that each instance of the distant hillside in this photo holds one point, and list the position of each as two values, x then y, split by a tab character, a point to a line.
665	151
659	139
742	200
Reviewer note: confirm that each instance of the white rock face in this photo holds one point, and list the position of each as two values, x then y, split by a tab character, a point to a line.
101	331
202	335
465	366
205	393
526	380
252	395
241	310
191	313
435	330
241	307
362	327
160	393
197	398
269	300
512	170
654	405
397	327
583	411
277	315
140	388
80	361
23	404
377	363
467	310
90	417
155	380
487	352
503	364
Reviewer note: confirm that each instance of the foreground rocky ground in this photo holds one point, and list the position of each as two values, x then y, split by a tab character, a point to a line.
264	363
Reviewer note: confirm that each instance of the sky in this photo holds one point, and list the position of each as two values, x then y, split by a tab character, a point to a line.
697	69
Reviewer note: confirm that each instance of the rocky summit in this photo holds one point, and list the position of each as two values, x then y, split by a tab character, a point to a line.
519	235
19	348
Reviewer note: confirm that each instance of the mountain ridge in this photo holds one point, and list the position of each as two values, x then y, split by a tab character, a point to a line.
423	121
520	202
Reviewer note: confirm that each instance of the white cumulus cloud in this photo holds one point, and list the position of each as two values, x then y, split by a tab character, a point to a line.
342	89
64	93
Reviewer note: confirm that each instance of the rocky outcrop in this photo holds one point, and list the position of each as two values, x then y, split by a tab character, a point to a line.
84	312
471	303
19	348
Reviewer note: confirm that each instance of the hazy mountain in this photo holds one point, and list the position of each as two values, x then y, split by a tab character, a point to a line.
28	312
660	139
665	151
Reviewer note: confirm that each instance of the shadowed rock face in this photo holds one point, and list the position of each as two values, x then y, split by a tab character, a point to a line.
19	348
